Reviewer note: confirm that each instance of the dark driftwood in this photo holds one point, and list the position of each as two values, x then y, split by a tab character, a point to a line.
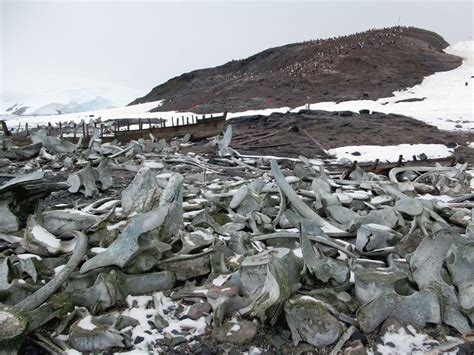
315	141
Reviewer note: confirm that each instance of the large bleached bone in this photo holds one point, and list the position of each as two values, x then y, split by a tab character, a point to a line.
37	298
143	193
417	309
141	238
303	209
282	276
55	144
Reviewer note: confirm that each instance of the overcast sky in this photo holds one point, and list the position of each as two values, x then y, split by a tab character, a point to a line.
48	45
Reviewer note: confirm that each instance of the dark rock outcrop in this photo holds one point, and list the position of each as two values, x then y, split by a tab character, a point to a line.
366	65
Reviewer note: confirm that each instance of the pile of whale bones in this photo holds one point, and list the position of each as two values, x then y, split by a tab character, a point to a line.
225	245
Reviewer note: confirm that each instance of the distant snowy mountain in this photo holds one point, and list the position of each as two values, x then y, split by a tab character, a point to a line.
76	100
99	103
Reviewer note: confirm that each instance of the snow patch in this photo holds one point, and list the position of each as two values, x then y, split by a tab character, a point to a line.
86	323
406	342
391	152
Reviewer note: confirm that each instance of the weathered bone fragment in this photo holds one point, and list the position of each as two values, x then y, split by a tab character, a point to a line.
310	321
281	281
371	283
374	236
54	144
127	246
59	222
88	334
418	309
84	179
142	194
17	321
39	241
188	266
426	264
104	180
19	197
320	266
47	290
385	216
21	153
224	143
303	209
409	206
89	180
8	221
142	243
110	289
460	263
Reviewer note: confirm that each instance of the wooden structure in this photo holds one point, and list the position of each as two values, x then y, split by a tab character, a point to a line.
122	129
198	129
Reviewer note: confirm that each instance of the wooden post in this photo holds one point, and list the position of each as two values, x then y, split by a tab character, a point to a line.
84	130
49	129
74	133
87	130
128	125
203	117
6	131
26	128
95	124
60	129
101	130
187	120
182	120
172	121
140	123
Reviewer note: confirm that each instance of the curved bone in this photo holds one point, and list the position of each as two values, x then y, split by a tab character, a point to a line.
303	209
395	171
37	298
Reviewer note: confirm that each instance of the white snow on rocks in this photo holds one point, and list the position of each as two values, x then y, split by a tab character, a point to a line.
145	308
391	152
86	323
407	341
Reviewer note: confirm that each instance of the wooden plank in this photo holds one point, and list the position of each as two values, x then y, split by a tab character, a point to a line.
268	135
316	142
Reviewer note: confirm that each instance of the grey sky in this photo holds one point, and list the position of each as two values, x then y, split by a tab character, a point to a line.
139	44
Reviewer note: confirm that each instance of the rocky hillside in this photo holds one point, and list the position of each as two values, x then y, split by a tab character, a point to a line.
366	65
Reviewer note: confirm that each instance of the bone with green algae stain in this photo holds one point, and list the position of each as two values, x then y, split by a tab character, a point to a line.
220	218
13	329
310	321
15	322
